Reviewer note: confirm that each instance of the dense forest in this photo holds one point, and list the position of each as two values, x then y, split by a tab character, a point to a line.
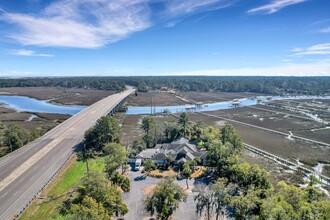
102	83
268	85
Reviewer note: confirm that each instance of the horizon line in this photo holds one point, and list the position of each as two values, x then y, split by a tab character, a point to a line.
167	75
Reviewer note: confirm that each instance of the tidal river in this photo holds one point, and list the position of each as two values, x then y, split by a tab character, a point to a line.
22	103
214	106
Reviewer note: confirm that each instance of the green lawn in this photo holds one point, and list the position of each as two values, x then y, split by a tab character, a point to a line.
58	191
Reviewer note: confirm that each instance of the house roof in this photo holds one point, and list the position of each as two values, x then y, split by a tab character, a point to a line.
183	160
177	145
188	147
147	154
162	146
181	141
159	156
201	154
189	156
180	150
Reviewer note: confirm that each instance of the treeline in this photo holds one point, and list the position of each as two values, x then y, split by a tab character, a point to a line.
12	137
101	83
268	85
98	195
259	84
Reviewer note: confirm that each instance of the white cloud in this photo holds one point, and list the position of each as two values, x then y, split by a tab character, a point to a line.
321	22
286	61
96	23
28	53
274	6
119	70
297	50
173	23
179	7
322	25
80	24
320	68
319	49
325	30
314	68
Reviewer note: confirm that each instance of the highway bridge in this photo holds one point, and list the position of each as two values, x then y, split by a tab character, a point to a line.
26	171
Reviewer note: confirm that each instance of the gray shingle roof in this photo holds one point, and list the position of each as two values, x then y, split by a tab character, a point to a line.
147	154
189	156
179	150
159	156
201	154
181	141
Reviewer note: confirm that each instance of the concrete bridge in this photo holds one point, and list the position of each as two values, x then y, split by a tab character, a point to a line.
26	171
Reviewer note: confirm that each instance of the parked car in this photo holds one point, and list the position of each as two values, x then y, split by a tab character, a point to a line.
137	164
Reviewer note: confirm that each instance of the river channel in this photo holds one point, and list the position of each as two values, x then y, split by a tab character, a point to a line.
22	103
215	106
26	104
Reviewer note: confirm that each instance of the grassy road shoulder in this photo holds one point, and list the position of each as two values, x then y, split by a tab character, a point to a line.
59	189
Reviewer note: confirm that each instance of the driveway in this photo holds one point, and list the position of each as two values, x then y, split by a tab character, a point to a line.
135	198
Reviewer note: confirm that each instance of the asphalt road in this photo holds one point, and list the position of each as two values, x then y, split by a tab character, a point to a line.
26	171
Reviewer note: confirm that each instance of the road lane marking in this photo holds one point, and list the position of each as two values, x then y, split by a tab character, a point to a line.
3	195
32	160
36	157
101	106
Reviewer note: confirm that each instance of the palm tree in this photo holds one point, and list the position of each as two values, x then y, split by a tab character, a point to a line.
186	172
183	121
169	159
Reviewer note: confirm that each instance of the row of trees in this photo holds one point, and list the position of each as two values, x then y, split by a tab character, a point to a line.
270	85
98	196
103	83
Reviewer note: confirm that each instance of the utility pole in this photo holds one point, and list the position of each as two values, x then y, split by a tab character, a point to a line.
150	104
11	146
154	103
127	153
86	159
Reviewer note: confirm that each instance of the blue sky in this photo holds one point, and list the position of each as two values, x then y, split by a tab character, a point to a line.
164	37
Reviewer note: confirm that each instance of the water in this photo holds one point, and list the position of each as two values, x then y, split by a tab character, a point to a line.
32	117
22	103
214	106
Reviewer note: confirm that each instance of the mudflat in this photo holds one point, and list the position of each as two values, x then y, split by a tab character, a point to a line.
65	96
159	99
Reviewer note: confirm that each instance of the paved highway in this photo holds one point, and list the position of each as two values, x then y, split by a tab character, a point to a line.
26	171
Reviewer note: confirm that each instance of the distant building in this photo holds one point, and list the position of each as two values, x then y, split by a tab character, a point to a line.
236	103
180	151
164	88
